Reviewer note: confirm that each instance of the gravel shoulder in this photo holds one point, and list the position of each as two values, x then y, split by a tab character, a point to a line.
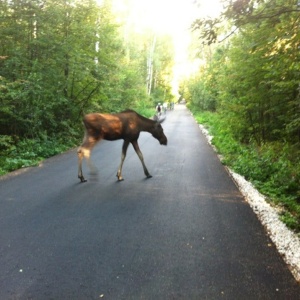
286	241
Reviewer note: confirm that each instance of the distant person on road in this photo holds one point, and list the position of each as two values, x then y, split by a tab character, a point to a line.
165	106
158	109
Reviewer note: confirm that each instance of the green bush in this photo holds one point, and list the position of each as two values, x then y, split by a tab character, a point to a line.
29	152
273	168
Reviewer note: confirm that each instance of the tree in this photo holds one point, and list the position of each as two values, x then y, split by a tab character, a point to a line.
163	61
51	70
257	82
238	13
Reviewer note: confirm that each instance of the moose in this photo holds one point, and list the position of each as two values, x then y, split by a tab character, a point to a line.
125	125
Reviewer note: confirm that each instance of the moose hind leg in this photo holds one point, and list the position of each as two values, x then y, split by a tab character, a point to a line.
85	153
80	155
140	155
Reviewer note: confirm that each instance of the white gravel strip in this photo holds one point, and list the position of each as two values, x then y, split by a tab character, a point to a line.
285	240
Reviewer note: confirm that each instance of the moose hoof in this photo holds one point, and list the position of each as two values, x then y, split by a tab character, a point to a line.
120	178
82	179
149	176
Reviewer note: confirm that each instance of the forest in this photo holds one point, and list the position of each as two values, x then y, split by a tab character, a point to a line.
60	59
248	93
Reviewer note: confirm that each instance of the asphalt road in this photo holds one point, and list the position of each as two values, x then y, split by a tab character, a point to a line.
186	233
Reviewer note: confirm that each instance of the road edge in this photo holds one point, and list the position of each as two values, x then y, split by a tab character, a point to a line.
286	241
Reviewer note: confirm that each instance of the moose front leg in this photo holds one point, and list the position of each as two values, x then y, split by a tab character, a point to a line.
140	155
123	155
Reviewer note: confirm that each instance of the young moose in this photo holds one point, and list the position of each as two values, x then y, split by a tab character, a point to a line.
125	125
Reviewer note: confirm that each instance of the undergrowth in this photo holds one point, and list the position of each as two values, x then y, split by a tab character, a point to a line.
273	168
16	154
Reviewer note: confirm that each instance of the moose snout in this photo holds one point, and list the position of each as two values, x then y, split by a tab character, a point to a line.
163	141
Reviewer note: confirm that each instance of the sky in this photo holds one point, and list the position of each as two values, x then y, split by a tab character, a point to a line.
172	17
168	15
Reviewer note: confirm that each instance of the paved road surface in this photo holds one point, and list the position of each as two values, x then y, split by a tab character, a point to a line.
187	233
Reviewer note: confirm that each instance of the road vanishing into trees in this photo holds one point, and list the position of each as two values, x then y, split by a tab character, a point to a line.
186	233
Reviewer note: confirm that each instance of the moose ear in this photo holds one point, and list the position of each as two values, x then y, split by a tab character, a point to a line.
155	118
160	120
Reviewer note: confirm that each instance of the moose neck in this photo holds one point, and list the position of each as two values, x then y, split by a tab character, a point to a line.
146	124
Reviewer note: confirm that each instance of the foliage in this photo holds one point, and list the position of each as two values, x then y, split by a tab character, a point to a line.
253	80
163	68
238	13
29	152
60	59
273	168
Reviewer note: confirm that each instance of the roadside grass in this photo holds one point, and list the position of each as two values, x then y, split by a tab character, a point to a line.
273	168
145	111
30	152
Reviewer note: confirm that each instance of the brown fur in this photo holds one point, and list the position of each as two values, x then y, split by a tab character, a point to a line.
125	125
